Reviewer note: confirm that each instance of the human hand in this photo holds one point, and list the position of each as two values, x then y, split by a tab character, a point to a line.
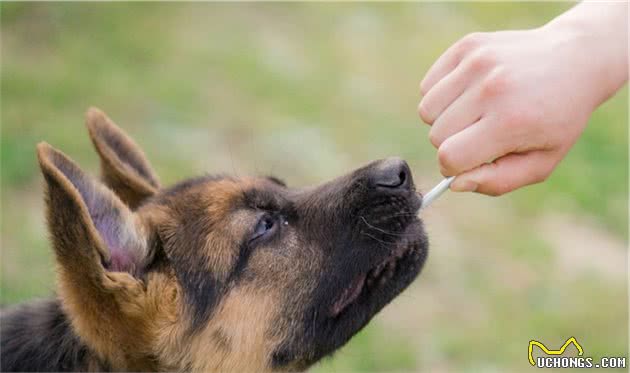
506	107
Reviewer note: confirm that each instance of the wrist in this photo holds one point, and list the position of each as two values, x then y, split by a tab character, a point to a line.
597	34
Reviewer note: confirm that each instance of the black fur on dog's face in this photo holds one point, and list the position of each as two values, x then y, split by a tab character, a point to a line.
227	274
363	232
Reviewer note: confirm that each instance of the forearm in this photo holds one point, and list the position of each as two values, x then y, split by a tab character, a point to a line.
602	29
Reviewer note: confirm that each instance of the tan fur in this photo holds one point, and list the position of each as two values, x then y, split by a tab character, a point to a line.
225	223
92	296
248	344
165	314
221	242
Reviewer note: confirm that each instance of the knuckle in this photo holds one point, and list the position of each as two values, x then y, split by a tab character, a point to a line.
497	185
492	193
471	41
520	123
422	88
482	59
446	159
435	139
465	45
497	83
500	189
424	112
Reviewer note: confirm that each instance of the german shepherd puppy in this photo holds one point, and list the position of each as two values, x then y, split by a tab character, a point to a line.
213	274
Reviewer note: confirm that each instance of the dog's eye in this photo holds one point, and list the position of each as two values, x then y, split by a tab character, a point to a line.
265	226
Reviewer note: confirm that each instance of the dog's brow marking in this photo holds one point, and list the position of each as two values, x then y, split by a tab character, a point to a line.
223	237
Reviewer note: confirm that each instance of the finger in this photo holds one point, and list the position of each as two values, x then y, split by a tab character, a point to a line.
448	61
507	173
462	113
477	144
443	94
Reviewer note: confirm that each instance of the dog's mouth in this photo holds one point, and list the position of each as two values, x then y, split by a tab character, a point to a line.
389	270
374	251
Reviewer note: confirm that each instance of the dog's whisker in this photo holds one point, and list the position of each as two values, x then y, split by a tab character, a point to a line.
386	232
376	239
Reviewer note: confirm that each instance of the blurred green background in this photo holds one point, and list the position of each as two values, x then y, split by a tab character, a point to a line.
307	92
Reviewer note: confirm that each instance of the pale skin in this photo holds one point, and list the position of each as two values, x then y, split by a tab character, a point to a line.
505	107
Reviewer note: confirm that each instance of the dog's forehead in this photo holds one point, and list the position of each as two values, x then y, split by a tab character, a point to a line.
202	224
214	214
225	194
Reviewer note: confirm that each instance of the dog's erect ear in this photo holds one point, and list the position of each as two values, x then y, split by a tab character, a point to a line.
124	167
93	232
102	253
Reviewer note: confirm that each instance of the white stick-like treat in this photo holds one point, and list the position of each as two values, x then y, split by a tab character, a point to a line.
436	192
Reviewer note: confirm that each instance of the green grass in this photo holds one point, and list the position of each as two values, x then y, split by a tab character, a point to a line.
372	350
307	92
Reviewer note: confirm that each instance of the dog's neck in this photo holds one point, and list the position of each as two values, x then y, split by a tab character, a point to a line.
37	336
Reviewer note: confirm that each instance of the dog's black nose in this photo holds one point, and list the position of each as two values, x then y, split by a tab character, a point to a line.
391	173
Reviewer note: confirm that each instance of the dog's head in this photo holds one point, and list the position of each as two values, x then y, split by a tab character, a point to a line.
222	273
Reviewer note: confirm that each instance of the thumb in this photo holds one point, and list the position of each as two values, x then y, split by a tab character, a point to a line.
506	174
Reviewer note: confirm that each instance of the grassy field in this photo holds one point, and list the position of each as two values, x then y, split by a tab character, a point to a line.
307	92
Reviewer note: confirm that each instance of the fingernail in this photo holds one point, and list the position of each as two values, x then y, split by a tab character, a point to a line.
463	185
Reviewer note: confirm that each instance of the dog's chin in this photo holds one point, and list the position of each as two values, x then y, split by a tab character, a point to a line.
361	286
369	290
374	287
